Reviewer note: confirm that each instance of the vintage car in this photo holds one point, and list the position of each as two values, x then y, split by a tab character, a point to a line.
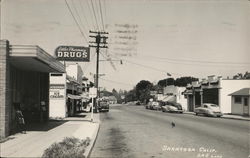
155	105
103	106
208	109
172	107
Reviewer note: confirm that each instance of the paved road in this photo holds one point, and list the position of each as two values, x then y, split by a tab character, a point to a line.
133	131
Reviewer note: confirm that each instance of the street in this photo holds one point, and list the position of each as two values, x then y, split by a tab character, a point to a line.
133	131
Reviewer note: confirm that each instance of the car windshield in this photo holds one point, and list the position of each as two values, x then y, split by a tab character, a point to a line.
214	105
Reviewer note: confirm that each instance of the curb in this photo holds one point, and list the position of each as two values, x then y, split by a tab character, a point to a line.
223	117
89	148
235	118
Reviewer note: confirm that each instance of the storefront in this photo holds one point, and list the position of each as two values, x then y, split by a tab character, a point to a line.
213	90
65	92
25	80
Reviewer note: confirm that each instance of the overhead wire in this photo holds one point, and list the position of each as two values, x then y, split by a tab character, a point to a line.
200	61
76	22
93	9
78	15
105	13
92	15
83	13
100	7
116	82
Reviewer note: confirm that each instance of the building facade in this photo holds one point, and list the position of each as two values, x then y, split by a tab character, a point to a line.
240	102
65	92
213	90
24	79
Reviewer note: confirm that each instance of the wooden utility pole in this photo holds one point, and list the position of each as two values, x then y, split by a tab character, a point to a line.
100	42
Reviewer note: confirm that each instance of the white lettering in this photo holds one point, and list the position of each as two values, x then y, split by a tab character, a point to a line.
72	54
59	54
78	54
66	54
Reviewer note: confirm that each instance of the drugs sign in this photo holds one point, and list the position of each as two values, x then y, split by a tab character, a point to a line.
72	53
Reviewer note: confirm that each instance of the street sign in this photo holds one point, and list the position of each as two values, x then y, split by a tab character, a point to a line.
92	92
72	53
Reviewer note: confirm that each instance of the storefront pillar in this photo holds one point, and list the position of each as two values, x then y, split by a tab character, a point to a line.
4	89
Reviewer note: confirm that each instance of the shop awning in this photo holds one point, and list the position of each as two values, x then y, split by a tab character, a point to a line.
71	96
34	58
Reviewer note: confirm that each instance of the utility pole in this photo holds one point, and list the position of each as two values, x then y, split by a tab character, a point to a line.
100	42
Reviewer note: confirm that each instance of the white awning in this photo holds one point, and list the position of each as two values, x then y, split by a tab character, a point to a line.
71	96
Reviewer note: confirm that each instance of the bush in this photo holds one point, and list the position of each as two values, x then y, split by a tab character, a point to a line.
69	147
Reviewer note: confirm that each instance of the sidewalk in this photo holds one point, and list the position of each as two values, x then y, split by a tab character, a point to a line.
227	116
40	137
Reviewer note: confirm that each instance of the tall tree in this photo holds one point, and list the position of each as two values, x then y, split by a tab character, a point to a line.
143	89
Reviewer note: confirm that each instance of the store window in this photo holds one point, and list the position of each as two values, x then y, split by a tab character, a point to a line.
237	100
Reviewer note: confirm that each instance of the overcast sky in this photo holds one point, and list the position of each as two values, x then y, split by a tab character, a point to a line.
182	37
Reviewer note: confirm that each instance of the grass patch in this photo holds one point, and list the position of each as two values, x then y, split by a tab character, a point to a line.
70	147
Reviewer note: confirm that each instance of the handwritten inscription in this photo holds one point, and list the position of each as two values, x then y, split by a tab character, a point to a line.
203	152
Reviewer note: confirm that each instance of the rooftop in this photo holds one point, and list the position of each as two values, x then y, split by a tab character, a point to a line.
243	91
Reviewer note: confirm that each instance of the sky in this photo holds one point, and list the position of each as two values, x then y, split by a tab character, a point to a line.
182	37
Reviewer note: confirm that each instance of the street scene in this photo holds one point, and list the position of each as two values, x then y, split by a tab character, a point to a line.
125	79
129	131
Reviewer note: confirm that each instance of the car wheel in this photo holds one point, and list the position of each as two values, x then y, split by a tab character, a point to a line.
196	114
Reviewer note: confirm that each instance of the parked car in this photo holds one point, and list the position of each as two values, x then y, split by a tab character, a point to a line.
148	105
103	106
209	109
155	105
172	107
138	103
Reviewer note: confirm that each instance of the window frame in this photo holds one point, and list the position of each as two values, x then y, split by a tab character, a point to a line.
237	99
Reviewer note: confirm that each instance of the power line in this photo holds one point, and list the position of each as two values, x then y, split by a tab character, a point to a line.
116	82
199	61
105	12
81	6
74	7
193	64
93	9
149	67
100	7
76	22
88	5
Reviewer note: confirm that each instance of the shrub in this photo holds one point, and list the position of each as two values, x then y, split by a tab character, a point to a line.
69	147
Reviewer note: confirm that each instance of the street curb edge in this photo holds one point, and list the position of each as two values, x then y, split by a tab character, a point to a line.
92	142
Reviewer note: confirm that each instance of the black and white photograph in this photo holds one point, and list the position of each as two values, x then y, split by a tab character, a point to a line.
125	78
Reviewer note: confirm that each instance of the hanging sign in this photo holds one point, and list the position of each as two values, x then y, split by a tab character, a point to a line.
72	53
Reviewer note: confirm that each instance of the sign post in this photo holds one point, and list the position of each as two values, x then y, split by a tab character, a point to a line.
92	94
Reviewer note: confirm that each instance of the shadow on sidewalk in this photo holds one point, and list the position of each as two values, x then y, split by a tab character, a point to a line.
44	126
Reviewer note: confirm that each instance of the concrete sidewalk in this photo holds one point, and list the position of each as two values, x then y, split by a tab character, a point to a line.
228	116
40	137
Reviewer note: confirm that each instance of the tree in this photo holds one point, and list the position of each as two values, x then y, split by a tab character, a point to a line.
164	82
183	81
143	89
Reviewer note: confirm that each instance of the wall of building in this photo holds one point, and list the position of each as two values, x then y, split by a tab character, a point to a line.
58	107
4	89
236	108
181	98
75	71
227	87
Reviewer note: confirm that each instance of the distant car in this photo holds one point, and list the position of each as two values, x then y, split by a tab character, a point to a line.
138	103
148	105
155	105
103	106
208	109
172	107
